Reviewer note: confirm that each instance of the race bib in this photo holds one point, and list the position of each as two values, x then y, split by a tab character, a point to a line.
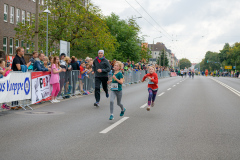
114	86
150	82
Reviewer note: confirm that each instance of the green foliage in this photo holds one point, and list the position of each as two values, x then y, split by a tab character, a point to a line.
82	26
184	62
162	59
228	56
126	33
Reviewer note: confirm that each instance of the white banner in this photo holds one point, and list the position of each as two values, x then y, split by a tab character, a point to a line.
14	87
41	89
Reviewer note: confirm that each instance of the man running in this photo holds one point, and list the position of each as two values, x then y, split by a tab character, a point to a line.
101	67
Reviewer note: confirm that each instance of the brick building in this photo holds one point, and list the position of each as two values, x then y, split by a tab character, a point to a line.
11	13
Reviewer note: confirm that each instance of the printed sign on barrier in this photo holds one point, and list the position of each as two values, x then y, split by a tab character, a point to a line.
14	87
41	88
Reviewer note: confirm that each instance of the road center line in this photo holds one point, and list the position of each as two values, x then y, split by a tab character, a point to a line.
177	83
161	94
114	125
169	89
174	85
144	105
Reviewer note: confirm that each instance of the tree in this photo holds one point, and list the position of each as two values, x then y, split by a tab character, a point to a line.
81	25
212	61
162	59
126	33
184	62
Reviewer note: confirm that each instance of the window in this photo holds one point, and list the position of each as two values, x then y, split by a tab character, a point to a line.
34	0
5	44
12	15
17	43
17	16
32	18
11	46
42	2
5	12
39	1
22	44
28	17
23	17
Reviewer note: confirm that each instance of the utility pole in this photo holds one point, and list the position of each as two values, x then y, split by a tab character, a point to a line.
164	55
36	26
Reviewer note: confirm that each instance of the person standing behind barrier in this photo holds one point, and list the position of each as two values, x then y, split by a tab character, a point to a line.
39	64
32	60
101	67
75	72
3	70
152	86
82	75
116	89
19	63
54	80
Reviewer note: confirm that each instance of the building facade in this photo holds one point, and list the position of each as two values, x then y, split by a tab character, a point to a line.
13	12
157	50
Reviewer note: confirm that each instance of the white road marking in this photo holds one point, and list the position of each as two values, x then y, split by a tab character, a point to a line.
169	89
114	125
174	85
144	105
228	87
161	94
177	83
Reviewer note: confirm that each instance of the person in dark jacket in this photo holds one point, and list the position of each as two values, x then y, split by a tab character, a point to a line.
38	64
74	64
101	67
75	72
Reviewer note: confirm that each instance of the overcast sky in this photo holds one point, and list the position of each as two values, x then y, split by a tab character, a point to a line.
189	28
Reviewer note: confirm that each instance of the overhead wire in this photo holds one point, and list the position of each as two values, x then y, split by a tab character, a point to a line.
171	40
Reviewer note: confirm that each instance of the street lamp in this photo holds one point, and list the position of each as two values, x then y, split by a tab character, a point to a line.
48	12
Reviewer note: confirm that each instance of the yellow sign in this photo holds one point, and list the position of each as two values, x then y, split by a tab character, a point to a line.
228	67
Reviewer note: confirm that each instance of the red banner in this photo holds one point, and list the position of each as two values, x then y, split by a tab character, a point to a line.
173	74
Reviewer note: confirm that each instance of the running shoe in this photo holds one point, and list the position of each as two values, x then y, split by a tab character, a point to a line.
96	104
111	117
122	112
56	101
152	104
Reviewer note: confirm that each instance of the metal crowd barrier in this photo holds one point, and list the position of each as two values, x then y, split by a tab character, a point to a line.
72	83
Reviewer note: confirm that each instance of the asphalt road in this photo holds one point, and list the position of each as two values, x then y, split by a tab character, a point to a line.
192	119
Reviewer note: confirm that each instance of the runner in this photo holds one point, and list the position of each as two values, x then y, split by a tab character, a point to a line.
101	67
152	86
116	89
193	73
182	72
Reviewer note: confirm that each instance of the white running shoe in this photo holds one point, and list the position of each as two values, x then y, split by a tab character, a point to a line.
56	101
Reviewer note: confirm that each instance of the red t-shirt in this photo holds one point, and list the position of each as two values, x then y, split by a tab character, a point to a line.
154	82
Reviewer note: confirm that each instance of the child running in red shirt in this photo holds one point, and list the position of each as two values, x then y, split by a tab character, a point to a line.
152	86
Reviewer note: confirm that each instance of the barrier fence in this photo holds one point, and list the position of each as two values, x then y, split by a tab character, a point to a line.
23	89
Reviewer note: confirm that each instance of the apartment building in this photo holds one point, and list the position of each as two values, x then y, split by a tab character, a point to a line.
13	12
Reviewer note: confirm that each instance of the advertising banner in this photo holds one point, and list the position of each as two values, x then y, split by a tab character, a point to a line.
41	88
14	87
173	74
